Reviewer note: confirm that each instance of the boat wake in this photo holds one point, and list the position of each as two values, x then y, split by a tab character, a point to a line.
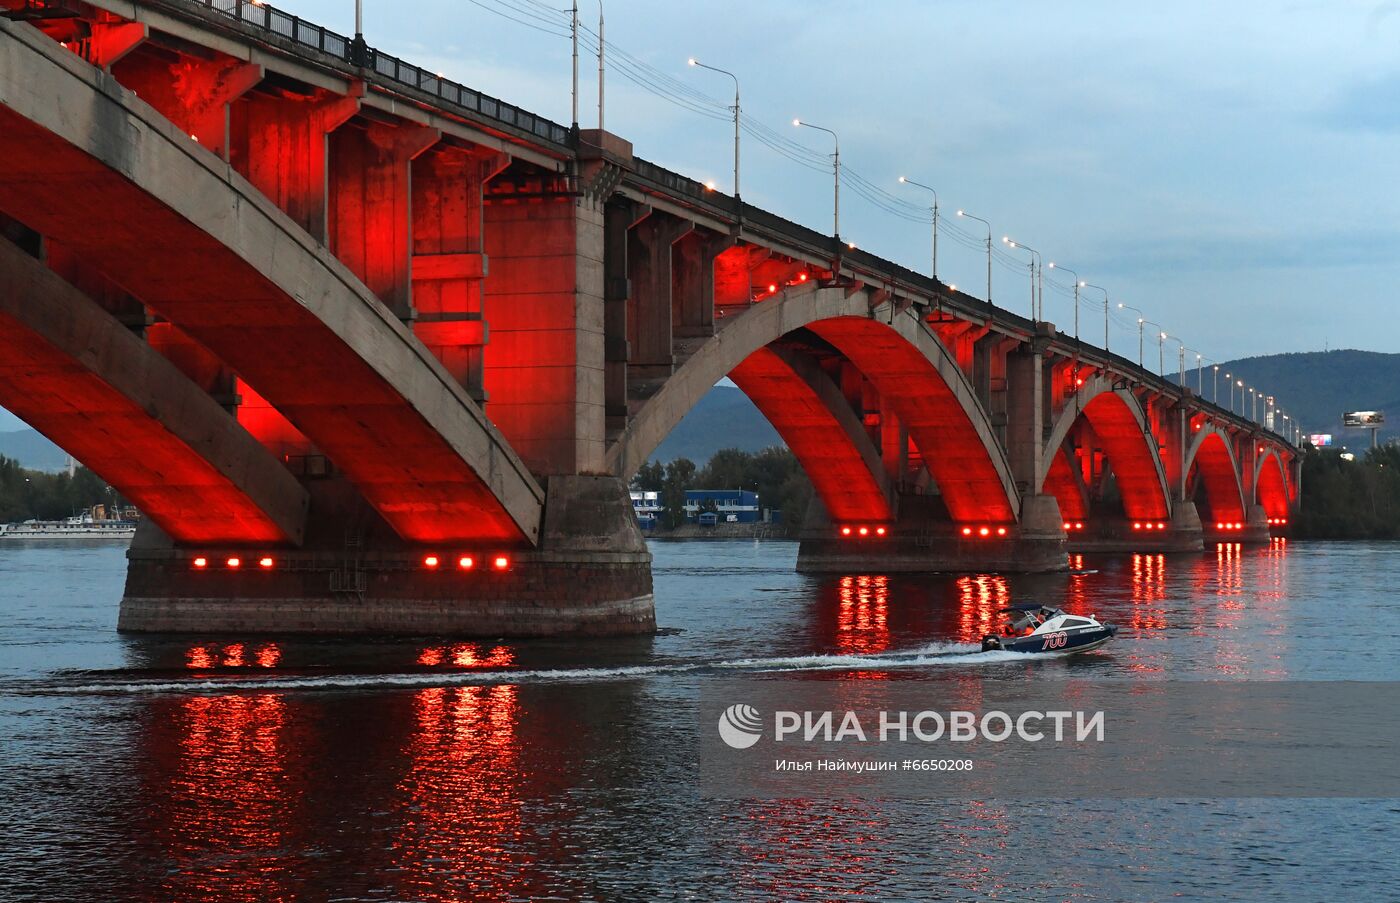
927	656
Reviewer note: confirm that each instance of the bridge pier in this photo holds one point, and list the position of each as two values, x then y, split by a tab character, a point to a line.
590	575
1181	533
1252	531
923	540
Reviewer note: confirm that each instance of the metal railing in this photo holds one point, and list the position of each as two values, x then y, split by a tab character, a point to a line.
452	94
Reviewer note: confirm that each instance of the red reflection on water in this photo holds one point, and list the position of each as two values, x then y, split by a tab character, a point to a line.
463	794
233	655
229	814
980	597
467	655
1149	592
862	614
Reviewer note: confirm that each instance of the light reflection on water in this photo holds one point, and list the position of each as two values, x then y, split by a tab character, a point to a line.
514	790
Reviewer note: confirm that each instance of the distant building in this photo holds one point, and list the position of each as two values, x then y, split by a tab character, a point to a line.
731	506
647	505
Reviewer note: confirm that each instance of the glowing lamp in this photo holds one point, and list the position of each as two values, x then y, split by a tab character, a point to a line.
430	561
1239	526
801	277
985	531
466	563
234	563
967	531
1137	526
1078	525
1001	531
201	562
265	563
845	531
1161	526
864	531
772	288
1069	526
501	562
1219	526
879	531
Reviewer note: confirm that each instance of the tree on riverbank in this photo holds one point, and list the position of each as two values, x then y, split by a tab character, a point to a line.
774	473
26	494
1343	499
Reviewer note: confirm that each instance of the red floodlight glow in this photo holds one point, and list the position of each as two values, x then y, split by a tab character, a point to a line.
1161	526
1078	525
1219	525
1069	527
801	277
430	561
772	288
1137	526
265	563
967	531
234	563
466	563
864	531
500	562
879	531
201	562
1239	526
1001	531
845	531
985	531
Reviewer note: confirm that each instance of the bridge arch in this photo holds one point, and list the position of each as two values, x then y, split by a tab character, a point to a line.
905	361
1273	488
1121	424
90	164
83	379
1212	457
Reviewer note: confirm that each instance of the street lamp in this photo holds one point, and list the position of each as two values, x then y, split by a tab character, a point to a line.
1105	312
694	62
1240	384
907	181
1215	383
836	207
1141	321
1077	284
1035	260
601	45
989	249
1161	338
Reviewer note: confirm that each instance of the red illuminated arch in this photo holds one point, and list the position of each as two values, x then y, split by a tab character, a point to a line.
1121	425
169	222
903	359
1212	458
1065	482
822	431
1272	487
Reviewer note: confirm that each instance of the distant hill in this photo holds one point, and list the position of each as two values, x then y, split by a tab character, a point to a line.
1317	386
724	418
32	450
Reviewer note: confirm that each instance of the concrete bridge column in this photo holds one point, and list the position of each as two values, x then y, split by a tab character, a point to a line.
449	260
370	223
1041	533
650	253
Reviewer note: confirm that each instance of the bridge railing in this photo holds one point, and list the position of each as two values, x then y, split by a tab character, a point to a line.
452	94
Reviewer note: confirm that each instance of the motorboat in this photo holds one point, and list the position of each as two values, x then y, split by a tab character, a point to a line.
1035	628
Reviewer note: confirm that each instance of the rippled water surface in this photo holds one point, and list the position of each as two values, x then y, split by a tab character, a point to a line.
255	768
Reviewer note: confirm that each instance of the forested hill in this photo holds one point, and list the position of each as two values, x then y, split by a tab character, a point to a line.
1317	386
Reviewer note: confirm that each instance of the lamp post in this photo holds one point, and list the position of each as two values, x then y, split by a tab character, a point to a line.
1215	383
601	44
1141	321
1105	312
1161	338
359	51
989	249
1240	384
694	62
907	181
836	207
1035	260
1077	284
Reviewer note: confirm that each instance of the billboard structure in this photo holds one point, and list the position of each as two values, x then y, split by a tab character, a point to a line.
1370	420
1320	440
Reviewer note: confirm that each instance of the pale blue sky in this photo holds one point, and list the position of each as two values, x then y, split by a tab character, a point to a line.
1233	169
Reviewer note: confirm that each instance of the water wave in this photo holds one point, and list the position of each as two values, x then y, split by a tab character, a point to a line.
930	655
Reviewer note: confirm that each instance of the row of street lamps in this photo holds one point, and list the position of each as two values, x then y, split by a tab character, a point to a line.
1036	268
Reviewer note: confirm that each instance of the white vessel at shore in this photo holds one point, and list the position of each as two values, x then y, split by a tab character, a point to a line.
83	526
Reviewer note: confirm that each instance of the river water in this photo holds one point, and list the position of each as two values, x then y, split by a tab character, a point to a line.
248	768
